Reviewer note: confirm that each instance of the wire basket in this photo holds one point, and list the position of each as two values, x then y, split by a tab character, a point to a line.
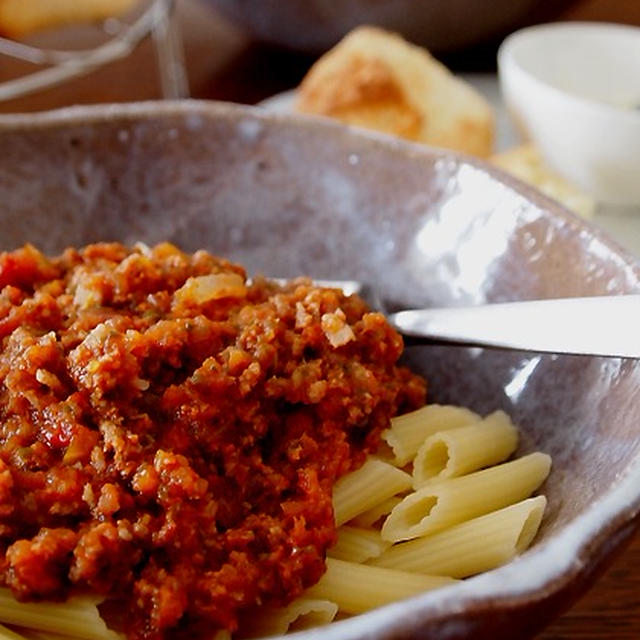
119	37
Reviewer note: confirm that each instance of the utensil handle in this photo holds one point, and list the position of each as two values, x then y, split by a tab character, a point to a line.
600	325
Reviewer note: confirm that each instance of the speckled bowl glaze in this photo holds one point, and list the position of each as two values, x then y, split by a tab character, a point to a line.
287	195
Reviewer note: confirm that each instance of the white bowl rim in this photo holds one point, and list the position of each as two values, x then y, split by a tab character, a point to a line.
508	63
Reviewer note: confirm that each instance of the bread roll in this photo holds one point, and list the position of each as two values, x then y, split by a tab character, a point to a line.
377	80
19	18
526	163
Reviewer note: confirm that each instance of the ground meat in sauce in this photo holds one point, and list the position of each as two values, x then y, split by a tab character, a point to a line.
170	432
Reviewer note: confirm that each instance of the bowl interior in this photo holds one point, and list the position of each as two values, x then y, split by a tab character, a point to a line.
289	196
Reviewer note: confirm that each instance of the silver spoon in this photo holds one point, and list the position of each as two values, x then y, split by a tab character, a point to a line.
595	326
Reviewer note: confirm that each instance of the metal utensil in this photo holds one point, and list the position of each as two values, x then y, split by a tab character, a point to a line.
600	325
595	326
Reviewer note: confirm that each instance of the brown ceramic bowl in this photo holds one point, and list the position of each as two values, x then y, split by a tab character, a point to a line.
289	195
441	25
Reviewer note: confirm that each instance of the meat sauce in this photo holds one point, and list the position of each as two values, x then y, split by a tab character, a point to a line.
170	432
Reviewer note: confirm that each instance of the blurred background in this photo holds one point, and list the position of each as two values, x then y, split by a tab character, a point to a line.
248	50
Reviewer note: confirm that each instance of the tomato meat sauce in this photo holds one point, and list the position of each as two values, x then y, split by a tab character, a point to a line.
170	431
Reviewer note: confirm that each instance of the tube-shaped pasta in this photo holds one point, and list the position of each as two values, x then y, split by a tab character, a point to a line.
359	587
302	613
410	430
444	503
77	617
372	516
455	452
9	634
358	545
457	552
364	488
34	634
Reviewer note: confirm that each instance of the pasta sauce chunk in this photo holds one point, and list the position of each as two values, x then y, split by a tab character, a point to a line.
171	431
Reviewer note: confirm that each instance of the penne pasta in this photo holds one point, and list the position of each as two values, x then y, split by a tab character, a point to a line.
456	452
10	634
359	587
429	538
364	488
447	502
174	431
76	618
34	634
456	551
410	430
358	545
302	613
370	517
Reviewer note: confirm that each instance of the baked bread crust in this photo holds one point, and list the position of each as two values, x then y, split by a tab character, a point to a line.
526	163
376	79
19	18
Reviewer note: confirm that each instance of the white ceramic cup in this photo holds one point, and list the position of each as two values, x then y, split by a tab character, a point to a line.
573	89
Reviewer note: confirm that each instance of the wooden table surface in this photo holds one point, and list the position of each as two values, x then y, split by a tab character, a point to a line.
223	63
